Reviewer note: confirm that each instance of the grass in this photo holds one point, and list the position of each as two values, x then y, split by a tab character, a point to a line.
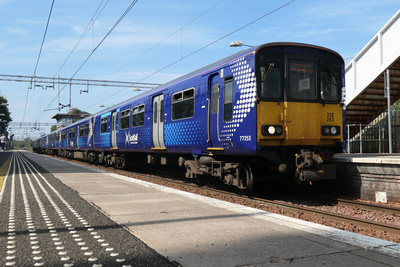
3	170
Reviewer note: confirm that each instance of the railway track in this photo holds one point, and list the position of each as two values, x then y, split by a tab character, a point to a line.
303	212
357	222
278	206
367	206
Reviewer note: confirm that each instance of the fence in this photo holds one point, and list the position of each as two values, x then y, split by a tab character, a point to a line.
374	138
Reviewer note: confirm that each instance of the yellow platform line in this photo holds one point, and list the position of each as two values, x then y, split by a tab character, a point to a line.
4	170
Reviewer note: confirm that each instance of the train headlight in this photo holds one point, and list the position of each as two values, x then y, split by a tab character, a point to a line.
330	130
268	130
271	130
333	130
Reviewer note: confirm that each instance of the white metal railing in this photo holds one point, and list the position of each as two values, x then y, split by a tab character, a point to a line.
372	139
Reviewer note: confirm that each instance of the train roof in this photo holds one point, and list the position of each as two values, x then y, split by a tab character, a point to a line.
203	71
214	65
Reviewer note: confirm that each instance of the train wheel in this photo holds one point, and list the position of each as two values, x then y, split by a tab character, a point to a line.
246	180
200	180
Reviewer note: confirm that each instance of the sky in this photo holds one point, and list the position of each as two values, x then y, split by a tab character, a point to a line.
155	42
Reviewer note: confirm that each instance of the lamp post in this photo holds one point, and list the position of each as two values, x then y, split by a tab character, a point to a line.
239	44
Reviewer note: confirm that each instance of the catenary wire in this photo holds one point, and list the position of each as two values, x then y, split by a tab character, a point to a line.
187	24
91	22
162	41
37	61
88	26
98	45
105	37
223	37
194	52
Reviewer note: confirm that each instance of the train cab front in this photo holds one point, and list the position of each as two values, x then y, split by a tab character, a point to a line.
300	109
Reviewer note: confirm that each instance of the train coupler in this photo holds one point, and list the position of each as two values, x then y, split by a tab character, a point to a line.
310	168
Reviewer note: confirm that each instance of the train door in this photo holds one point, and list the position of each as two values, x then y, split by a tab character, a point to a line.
158	122
90	132
215	114
114	129
78	135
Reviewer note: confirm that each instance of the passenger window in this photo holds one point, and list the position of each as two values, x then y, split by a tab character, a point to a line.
155	113
71	133
125	117
228	99
138	116
162	110
183	104
86	129
81	130
214	96
103	125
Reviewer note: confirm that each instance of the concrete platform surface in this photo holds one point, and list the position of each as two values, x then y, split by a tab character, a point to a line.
373	158
199	231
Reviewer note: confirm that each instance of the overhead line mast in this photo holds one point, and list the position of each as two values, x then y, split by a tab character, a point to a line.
53	80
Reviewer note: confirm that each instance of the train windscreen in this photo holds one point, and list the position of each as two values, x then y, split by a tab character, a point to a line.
302	79
299	77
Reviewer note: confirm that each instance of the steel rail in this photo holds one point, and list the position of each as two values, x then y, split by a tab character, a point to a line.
315	213
367	206
394	229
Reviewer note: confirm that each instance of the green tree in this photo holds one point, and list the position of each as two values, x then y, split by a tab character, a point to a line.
74	111
5	115
396	105
23	144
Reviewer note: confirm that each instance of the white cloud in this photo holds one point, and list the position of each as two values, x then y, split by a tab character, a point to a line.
18	31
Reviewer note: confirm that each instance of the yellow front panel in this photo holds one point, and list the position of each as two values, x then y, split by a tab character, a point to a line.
302	123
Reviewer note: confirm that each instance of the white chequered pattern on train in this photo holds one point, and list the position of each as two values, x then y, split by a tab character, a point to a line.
245	80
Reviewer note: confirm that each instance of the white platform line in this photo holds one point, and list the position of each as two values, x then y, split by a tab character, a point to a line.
365	242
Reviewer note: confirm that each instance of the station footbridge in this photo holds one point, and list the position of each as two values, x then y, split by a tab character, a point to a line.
365	99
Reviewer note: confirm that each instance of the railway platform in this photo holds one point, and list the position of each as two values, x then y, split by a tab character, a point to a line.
173	227
369	176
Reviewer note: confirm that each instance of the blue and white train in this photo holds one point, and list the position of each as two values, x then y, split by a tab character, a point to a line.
271	111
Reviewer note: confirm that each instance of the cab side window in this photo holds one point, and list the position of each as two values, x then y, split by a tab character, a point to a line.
271	76
228	99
